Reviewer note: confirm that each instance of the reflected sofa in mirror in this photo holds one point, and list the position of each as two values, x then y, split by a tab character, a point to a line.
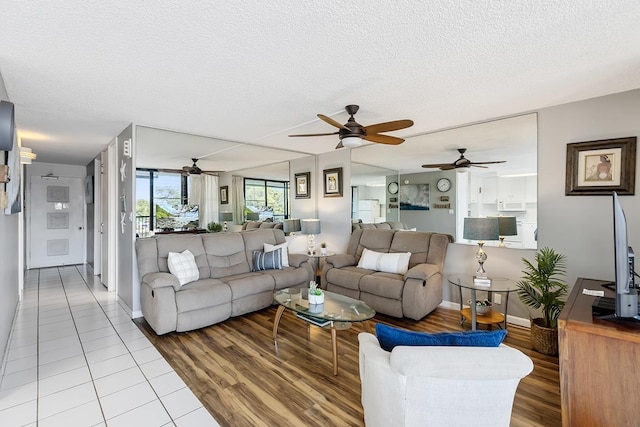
371	199
508	188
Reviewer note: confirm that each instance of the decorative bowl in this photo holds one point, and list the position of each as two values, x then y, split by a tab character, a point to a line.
482	307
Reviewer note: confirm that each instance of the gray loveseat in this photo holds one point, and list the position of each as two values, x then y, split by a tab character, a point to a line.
413	294
227	286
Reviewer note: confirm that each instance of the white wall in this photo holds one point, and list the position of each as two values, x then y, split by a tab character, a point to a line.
334	212
10	264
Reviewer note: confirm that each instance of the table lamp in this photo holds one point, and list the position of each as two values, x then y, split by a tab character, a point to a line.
226	216
481	229
311	227
291	226
506	227
252	216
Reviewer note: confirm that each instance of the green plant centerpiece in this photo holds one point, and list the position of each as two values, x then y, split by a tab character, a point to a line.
214	227
542	288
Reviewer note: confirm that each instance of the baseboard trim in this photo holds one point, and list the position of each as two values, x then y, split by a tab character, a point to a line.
514	320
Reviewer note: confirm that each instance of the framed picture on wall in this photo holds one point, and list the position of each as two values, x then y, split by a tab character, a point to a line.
224	194
600	167
333	182
414	197
303	189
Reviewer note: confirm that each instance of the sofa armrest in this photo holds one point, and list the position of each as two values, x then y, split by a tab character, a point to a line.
341	260
421	272
161	280
296	260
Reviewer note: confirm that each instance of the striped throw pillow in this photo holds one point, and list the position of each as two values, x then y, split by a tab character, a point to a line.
388	262
267	260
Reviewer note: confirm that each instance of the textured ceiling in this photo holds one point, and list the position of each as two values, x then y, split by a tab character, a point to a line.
248	71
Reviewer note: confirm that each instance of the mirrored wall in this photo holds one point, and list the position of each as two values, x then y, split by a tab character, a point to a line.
371	201
493	189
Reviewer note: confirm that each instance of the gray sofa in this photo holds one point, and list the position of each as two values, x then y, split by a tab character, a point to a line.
227	286
383	225
413	294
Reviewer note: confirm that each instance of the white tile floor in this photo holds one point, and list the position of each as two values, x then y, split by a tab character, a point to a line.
76	359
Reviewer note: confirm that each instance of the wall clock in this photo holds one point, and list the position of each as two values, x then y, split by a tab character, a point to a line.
393	187
443	185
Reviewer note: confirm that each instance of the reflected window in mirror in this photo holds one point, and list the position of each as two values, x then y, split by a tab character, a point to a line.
268	198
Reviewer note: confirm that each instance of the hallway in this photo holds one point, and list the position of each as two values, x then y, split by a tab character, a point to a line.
75	358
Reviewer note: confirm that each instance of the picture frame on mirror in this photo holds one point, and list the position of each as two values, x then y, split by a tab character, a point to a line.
333	182
600	167
303	188
224	194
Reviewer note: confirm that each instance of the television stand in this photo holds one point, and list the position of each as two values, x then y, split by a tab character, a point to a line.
598	363
604	308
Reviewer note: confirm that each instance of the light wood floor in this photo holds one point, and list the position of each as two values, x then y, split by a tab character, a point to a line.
243	379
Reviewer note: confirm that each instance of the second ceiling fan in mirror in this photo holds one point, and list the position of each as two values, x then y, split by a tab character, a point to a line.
352	133
194	169
462	162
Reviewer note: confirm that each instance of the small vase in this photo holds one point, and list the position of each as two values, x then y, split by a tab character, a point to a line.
316	299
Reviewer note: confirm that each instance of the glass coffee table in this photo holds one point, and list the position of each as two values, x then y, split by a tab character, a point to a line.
338	312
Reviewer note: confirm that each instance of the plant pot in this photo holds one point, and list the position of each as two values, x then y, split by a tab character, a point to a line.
544	340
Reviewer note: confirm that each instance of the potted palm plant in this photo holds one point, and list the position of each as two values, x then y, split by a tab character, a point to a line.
542	288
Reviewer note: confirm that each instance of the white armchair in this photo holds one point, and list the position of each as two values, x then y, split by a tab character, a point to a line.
439	386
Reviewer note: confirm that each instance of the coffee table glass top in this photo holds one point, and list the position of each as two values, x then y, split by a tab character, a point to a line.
498	284
336	307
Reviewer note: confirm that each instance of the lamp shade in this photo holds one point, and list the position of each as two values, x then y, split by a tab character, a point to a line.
310	226
226	216
481	229
252	216
291	225
506	225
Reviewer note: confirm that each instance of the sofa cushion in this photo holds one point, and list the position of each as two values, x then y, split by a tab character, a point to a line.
388	262
267	260
285	251
386	285
225	254
183	266
250	225
202	294
378	240
289	277
178	243
390	337
347	277
247	284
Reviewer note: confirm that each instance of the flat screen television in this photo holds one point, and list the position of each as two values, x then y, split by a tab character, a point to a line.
625	304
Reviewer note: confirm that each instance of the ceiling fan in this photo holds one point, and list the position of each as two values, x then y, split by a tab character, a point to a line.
195	170
352	133
462	162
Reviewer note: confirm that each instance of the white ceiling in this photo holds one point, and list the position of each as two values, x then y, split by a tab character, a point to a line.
252	72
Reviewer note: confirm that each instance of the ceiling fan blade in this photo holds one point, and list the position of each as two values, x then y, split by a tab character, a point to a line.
383	139
316	134
438	165
388	126
475	165
447	168
487	163
332	122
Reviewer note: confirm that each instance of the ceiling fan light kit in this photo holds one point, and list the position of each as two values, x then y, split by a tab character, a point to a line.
352	133
352	141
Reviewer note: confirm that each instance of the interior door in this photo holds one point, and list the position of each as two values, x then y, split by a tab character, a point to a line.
57	222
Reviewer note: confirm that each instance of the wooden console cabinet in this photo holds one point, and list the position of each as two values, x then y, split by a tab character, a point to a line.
599	364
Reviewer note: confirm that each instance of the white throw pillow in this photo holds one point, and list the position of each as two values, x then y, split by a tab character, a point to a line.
285	251
389	263
183	266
